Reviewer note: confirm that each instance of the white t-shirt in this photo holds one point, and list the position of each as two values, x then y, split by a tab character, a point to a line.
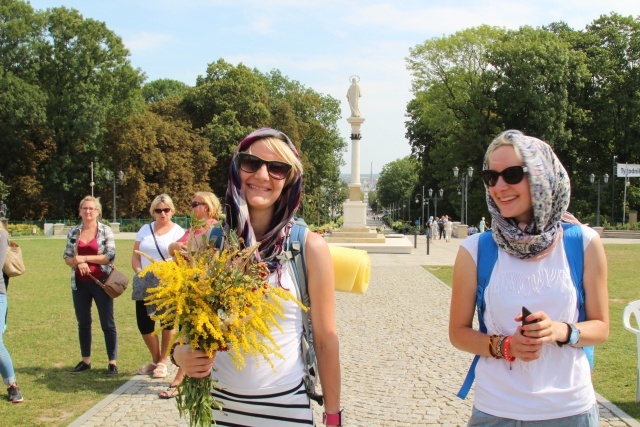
556	385
258	374
148	246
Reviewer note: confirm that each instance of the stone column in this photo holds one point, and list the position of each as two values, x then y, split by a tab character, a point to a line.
355	211
354	182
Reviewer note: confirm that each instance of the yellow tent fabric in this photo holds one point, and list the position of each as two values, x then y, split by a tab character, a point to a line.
352	269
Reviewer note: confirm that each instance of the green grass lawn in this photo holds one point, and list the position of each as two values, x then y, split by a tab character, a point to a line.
614	375
42	338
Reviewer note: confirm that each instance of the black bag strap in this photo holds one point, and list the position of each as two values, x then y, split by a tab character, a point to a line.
156	242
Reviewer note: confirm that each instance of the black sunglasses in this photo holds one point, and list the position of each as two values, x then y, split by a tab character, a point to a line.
251	164
196	204
165	210
511	175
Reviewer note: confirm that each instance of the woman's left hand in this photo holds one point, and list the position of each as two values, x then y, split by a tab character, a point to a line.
83	268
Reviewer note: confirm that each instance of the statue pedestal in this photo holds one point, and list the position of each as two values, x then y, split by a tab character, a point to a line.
5	223
355	214
115	227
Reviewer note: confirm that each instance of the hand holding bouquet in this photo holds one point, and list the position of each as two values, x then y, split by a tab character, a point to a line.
217	300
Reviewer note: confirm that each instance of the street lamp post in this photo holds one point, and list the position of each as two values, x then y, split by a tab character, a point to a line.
464	181
114	181
592	178
435	200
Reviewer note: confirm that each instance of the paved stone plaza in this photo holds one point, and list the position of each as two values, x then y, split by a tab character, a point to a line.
398	367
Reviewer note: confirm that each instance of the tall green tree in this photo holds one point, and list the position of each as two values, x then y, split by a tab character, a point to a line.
397	181
63	77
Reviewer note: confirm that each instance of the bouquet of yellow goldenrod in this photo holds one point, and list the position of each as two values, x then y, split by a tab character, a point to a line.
217	300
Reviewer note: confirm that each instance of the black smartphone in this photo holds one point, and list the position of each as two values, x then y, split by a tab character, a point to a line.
525	313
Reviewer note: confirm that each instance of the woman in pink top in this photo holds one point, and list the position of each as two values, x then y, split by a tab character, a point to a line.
207	211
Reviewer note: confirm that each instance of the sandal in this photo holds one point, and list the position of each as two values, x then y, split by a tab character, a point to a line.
147	369
160	371
169	393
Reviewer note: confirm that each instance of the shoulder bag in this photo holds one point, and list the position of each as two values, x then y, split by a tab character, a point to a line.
13	263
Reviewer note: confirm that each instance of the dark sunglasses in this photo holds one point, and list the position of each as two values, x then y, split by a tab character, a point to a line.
196	204
251	164
511	175
165	210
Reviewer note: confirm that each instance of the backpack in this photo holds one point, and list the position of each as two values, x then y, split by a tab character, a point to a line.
487	257
294	253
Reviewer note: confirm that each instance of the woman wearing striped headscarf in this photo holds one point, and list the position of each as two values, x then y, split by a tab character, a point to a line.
532	368
263	194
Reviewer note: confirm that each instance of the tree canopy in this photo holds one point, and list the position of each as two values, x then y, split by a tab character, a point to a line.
576	90
69	98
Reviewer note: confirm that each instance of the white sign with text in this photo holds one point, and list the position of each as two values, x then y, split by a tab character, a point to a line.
632	171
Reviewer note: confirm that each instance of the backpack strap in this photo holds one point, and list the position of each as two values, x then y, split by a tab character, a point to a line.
295	253
297	239
487	257
574	250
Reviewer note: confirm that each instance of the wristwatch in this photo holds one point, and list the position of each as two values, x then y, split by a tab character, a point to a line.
332	419
574	335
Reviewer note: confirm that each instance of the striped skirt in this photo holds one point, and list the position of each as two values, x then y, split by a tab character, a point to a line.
272	407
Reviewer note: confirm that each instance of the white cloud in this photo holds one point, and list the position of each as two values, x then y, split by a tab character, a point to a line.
145	42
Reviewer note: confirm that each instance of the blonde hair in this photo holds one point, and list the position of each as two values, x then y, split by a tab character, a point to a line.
211	201
162	198
95	200
504	139
282	150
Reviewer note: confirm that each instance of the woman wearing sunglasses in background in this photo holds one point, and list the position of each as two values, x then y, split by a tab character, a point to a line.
263	194
537	374
153	239
206	210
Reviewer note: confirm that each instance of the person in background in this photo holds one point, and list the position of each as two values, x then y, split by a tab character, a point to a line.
263	195
206	208
481	225
6	364
154	239
539	372
448	228
91	249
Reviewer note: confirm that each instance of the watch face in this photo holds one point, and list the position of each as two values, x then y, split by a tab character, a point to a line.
574	337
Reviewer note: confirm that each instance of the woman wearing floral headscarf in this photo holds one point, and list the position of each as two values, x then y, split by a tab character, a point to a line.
263	194
539	372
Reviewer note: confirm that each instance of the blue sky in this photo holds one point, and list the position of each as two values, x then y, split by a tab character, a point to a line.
319	43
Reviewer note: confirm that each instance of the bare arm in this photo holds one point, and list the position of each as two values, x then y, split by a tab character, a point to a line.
463	306
136	262
321	286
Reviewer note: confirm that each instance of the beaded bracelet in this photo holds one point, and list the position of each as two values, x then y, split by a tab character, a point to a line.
507	355
492	350
499	346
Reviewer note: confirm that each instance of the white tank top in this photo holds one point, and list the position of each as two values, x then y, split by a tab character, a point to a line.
558	384
258	373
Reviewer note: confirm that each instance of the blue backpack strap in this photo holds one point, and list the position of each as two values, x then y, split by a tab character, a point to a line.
487	257
574	250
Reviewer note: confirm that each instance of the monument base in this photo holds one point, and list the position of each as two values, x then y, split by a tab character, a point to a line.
355	214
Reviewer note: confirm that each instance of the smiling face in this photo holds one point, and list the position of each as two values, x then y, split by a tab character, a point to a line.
260	190
513	200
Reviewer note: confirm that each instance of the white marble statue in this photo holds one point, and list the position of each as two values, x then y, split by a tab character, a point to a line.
353	95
